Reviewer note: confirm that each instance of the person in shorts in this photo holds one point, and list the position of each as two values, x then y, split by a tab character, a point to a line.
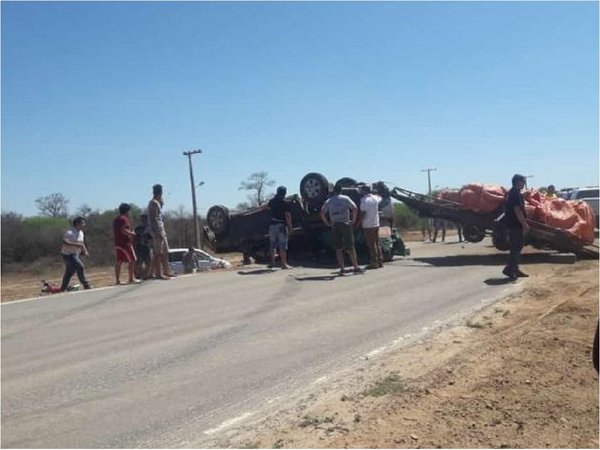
124	252
369	213
280	227
339	212
156	228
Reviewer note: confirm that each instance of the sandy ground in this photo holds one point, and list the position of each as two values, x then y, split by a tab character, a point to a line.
516	375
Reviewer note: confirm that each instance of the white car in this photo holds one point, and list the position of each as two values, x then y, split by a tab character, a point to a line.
588	195
205	260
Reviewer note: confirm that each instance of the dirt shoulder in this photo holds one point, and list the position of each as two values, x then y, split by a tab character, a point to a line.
516	375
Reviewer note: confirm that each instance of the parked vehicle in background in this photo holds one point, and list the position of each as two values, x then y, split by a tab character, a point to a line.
588	195
205	260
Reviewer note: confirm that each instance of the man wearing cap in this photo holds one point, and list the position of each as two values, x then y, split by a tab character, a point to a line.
156	228
340	212
280	226
516	226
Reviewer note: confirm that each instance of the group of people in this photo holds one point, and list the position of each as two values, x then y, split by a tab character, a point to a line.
341	214
144	249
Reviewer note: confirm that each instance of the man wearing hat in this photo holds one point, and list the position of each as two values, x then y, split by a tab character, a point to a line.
516	226
280	226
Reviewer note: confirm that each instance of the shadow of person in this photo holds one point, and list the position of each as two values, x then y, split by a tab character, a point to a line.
256	272
317	278
498	281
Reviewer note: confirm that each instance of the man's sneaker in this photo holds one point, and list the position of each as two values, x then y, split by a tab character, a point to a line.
509	274
358	270
371	267
87	286
521	274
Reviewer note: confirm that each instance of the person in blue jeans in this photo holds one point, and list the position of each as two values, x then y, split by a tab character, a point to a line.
280	227
516	226
73	247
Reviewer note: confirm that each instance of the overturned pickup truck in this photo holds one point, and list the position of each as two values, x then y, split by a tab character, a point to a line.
247	231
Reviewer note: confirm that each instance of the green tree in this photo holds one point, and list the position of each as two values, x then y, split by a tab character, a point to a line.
405	218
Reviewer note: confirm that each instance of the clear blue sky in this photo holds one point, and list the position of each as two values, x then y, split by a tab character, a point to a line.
100	99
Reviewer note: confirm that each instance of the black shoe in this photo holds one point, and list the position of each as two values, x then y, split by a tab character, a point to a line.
87	286
509	274
521	274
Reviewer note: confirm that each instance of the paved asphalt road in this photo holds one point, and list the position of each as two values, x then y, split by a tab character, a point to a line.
169	363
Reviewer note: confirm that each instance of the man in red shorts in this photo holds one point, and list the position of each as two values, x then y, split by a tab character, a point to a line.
124	243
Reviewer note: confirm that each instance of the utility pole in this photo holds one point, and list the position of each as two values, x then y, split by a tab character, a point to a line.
429	170
196	231
527	177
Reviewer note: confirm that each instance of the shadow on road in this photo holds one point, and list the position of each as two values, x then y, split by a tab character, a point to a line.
498	281
317	278
496	260
256	271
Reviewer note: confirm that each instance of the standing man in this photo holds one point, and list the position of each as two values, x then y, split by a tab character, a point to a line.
516	225
143	249
459	231
439	224
124	252
369	212
551	192
73	246
426	227
156	228
339	212
280	226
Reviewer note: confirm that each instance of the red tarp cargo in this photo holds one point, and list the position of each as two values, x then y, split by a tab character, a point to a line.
573	216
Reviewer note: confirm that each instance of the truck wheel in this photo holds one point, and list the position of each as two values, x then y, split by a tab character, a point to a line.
346	182
218	219
500	239
314	188
473	233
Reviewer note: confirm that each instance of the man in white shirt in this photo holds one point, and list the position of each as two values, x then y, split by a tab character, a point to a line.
369	211
72	247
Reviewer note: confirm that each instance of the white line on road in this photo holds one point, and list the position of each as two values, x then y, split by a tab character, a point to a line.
228	423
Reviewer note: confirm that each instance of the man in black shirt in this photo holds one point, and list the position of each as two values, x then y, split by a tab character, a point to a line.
516	226
280	226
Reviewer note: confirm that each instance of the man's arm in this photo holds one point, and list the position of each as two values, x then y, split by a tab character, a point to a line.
153	215
521	218
67	240
288	221
354	213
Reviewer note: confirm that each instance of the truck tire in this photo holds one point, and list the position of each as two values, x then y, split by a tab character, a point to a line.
346	182
314	188
473	233
218	219
500	239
